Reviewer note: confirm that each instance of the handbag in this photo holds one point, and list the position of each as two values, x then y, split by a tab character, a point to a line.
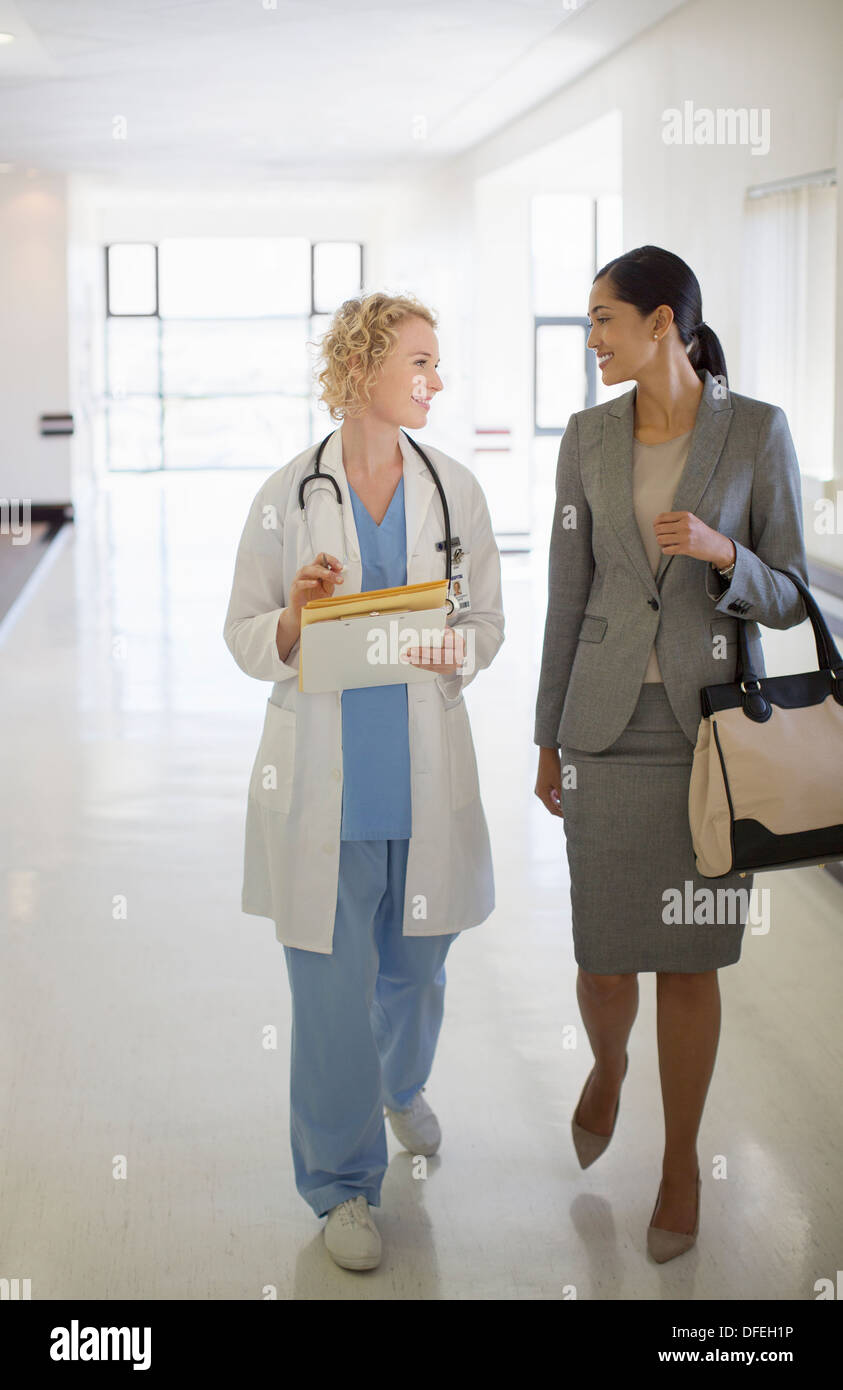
766	788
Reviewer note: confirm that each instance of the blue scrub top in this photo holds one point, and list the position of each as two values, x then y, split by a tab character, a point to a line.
376	802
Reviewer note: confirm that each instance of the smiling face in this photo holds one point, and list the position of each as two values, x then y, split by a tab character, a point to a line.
621	337
403	391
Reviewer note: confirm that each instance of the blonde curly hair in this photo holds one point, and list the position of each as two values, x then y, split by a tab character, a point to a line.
355	347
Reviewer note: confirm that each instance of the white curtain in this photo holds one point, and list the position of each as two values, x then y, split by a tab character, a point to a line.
788	314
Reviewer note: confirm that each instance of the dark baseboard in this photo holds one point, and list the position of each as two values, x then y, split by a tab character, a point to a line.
56	514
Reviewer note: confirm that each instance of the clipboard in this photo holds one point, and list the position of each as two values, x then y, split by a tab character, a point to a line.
352	640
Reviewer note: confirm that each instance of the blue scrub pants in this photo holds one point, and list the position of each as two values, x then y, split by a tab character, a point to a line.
366	1021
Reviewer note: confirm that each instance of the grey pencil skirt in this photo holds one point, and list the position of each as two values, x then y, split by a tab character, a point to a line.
638	901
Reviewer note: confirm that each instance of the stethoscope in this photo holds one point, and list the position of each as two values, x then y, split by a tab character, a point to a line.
328	478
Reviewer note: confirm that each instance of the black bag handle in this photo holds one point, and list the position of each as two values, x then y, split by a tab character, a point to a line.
828	657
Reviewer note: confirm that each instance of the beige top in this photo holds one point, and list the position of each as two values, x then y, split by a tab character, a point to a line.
656	470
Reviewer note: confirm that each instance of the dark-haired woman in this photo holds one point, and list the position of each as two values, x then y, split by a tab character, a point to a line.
677	503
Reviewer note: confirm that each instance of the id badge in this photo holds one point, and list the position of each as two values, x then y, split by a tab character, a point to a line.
459	591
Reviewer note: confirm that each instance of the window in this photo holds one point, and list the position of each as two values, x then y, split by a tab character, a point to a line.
573	235
565	372
208	364
788	274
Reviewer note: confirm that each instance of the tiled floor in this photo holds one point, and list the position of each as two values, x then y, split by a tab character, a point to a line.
136	1040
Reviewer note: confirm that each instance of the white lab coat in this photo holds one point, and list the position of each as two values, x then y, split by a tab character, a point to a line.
292	847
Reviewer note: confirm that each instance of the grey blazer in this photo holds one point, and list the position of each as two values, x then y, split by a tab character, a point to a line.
604	607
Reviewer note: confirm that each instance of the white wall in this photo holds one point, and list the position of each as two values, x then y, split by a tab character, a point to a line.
438	236
86	316
689	198
424	243
33	336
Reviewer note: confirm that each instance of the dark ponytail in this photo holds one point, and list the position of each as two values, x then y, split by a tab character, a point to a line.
649	276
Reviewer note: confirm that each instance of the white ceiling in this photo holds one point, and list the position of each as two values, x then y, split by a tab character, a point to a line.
285	89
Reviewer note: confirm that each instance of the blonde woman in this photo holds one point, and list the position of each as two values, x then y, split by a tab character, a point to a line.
366	840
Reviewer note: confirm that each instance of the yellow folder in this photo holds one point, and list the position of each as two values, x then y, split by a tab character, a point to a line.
428	601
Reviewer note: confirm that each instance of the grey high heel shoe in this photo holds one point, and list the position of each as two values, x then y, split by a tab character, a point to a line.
666	1245
589	1145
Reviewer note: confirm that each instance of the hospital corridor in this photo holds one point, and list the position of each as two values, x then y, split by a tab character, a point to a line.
308	957
145	1034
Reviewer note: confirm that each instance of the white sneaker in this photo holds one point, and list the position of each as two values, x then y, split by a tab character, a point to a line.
417	1128
352	1238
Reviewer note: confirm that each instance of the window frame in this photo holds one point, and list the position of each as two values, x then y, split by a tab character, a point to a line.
163	397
